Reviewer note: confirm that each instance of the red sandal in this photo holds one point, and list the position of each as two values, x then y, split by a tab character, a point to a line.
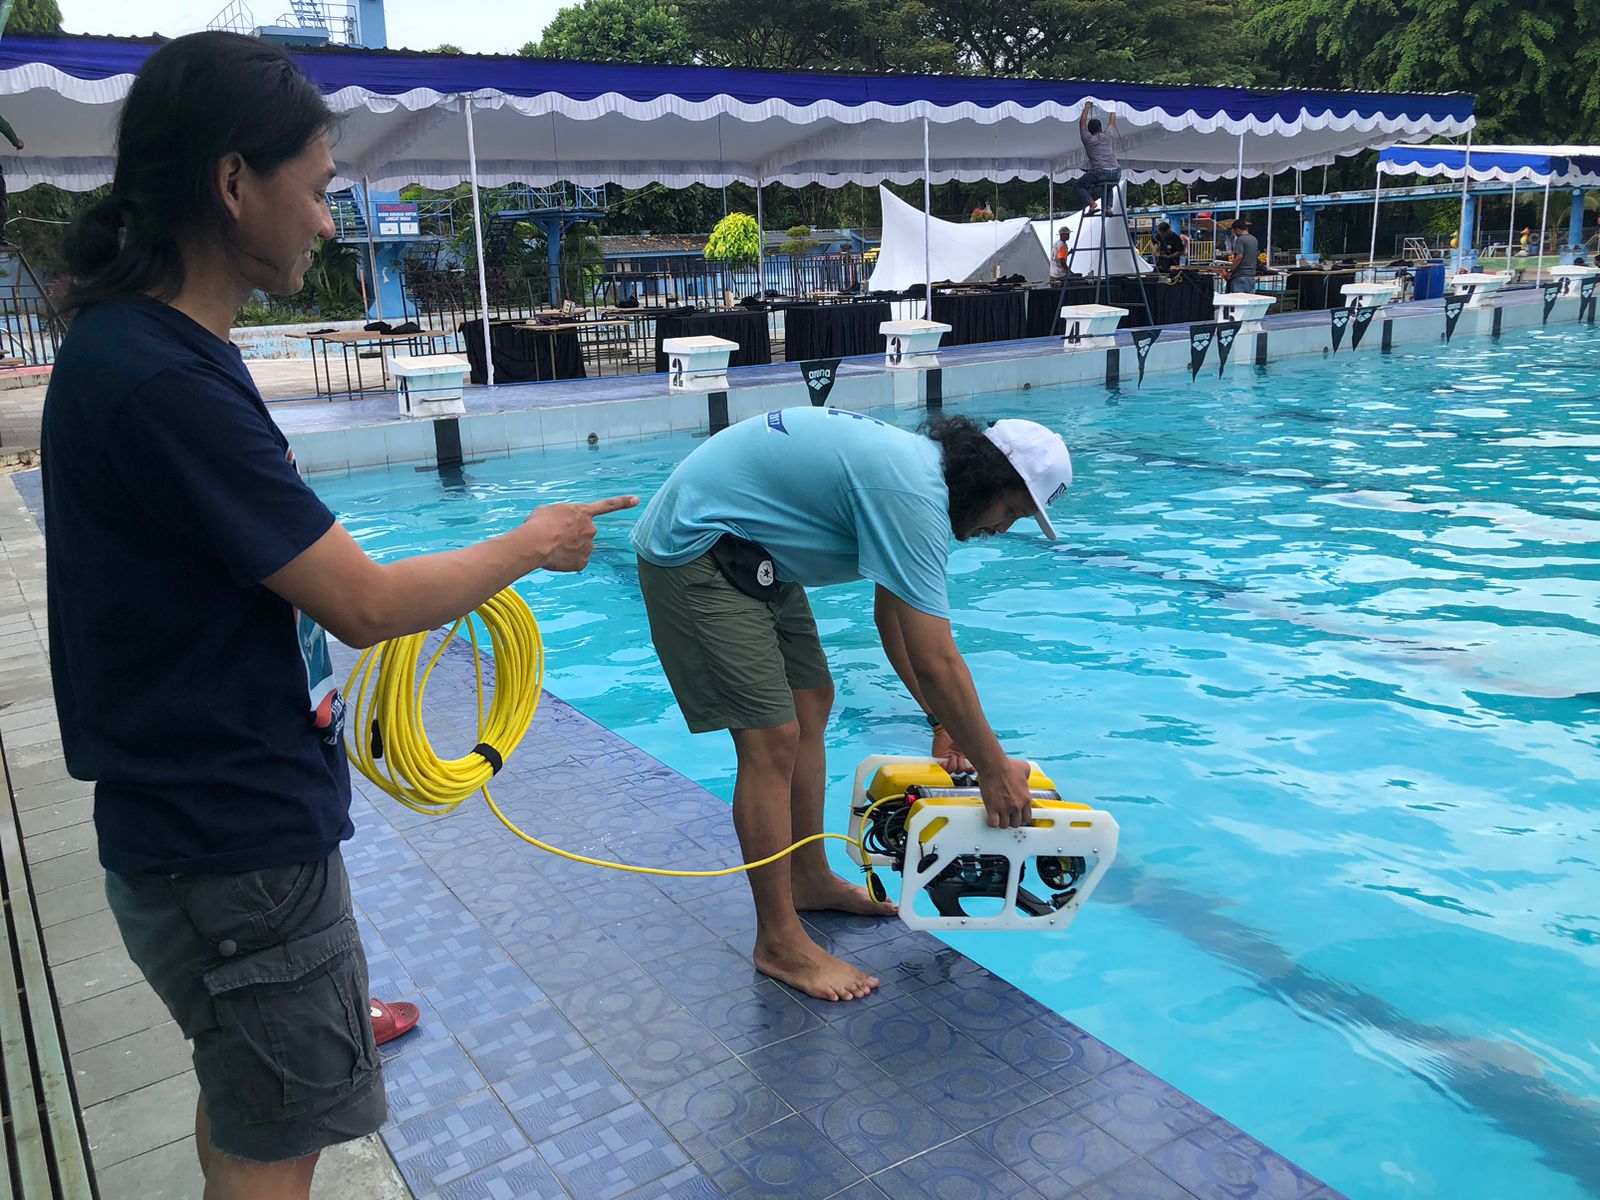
391	1020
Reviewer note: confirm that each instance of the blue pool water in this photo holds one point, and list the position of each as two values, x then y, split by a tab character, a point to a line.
1326	641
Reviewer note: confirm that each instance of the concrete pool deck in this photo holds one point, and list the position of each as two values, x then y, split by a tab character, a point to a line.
595	1035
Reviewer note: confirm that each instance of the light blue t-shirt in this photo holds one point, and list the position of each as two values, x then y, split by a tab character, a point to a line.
831	495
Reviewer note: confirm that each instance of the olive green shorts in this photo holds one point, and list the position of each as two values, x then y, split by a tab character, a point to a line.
734	662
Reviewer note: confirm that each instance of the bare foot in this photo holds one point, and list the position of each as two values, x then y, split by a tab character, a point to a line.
807	967
835	895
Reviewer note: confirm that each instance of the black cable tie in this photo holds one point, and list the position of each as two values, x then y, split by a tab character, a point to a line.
490	756
377	739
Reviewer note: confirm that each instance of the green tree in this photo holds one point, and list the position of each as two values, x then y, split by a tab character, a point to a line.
632	31
1149	41
35	16
1534	65
841	34
447	48
735	240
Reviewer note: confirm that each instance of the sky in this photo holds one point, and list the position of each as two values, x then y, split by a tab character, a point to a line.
479	26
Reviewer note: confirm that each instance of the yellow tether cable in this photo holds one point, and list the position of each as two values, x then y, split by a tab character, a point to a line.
388	743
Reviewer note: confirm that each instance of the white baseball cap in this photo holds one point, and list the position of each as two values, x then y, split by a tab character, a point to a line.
1041	458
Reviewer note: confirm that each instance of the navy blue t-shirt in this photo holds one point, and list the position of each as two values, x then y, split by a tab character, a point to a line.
201	703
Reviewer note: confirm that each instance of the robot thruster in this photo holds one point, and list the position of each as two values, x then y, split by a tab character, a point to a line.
913	817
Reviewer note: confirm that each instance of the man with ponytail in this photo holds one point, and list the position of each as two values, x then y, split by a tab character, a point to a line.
191	575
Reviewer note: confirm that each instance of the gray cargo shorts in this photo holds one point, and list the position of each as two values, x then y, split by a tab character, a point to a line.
264	972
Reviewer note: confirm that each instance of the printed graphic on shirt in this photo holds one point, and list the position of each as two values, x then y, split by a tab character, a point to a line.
326	704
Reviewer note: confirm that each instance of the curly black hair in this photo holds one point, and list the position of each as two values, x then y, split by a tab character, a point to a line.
976	472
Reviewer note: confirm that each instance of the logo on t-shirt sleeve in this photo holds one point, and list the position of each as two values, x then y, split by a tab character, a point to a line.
326	704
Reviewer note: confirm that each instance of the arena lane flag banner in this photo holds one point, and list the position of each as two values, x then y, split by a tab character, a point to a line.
819	375
1552	293
1361	320
1226	332
1586	301
1143	339
1452	312
1340	318
1200	338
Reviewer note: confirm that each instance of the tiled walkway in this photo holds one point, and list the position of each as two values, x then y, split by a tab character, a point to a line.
601	1035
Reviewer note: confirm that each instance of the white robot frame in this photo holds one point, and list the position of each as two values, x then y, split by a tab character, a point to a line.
950	852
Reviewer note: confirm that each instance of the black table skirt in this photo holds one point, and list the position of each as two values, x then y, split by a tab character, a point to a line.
982	316
523	355
1181	298
1176	300
833	330
749	329
1320	289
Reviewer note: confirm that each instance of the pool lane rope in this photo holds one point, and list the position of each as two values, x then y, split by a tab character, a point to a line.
388	742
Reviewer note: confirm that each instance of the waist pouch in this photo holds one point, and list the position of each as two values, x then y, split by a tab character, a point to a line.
747	566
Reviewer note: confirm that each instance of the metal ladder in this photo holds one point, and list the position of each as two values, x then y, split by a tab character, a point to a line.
1101	283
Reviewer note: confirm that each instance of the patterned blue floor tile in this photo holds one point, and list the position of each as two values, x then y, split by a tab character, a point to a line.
897	1031
618	897
715	1107
879	1128
520	1177
813	1068
505	891
1236	1168
386	978
731	915
968	1087
614	1154
426	1076
851	934
865	1190
666	931
1133	1106
982	1004
1138	1180
508	1045
686	1183
749	1018
573	961
615	1004
447	1144
914	964
689	890
376	850
704	972
1053	1053
428	1030
955	1171
395	899
439	835
668	1049
500	989
559	1095
451	955
526	930
1053	1149
786	1161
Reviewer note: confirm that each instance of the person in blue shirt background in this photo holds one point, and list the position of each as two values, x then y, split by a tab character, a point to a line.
802	498
191	576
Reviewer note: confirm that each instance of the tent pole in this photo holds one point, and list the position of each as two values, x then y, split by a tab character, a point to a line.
761	248
1271	179
1377	192
1544	218
477	237
927	213
1464	234
372	252
1238	185
1511	224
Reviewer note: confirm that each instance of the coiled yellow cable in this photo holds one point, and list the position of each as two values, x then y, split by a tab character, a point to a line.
388	742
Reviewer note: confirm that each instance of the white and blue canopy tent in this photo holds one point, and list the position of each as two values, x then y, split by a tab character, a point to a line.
439	120
1539	166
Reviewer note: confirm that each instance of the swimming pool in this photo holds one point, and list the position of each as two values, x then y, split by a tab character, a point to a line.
1325	640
